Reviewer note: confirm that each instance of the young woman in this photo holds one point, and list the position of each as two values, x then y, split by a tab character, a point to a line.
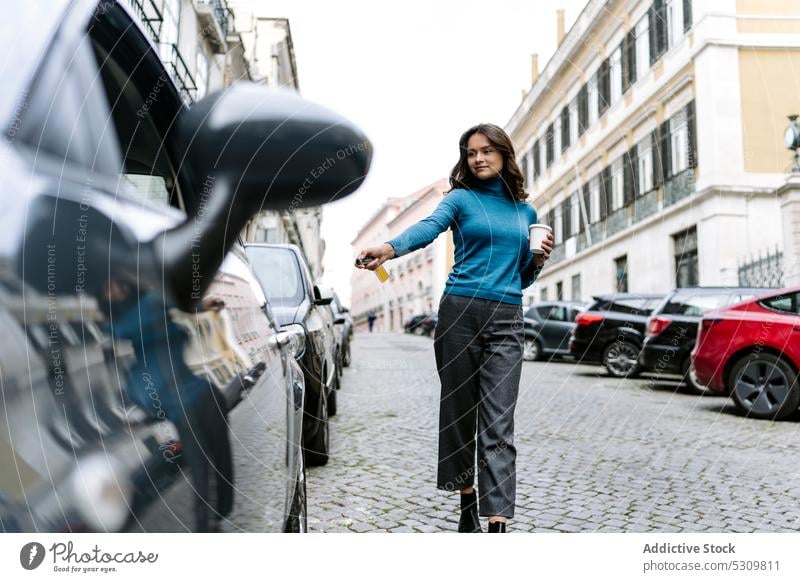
479	335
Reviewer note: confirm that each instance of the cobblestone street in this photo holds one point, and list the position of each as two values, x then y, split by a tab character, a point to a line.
593	453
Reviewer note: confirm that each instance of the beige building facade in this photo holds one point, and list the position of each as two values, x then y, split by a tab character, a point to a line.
417	279
652	143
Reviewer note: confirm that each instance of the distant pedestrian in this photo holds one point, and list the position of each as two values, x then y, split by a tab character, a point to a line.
479	335
371	321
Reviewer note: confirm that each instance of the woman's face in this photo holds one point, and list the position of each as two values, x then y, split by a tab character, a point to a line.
483	158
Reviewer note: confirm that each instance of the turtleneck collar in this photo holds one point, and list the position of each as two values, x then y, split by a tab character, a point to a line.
493	186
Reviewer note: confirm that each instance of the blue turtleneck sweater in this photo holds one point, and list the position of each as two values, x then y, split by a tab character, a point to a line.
490	232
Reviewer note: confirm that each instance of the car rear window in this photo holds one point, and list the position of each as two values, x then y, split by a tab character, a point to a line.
696	304
278	272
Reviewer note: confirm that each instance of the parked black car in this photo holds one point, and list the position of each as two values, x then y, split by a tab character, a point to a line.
548	327
301	305
672	327
611	331
119	242
422	324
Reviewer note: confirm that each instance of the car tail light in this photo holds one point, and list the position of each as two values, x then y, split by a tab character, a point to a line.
656	325
588	318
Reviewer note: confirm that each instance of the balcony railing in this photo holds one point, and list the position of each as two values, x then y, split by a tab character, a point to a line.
177	68
678	187
645	205
149	15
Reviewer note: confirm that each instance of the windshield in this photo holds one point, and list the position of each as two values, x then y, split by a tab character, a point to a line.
278	272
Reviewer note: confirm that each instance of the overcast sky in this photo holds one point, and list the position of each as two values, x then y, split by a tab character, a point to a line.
413	76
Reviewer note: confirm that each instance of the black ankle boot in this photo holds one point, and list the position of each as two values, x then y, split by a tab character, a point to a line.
469	522
497	527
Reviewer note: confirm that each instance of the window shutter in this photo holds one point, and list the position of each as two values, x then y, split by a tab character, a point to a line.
605	192
587	206
631	36
583	109
551	220
687	15
655	157
666	151
603	86
691	125
565	221
651	33
565	128
536	160
627	178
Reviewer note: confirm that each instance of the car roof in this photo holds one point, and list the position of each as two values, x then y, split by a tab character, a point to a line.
711	290
618	296
28	30
288	246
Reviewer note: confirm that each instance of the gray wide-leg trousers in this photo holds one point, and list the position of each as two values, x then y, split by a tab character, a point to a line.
478	347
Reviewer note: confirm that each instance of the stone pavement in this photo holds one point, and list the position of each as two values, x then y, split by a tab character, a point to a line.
593	453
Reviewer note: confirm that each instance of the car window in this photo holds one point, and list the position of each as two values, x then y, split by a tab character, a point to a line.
278	272
631	306
147	175
696	304
553	312
65	114
788	303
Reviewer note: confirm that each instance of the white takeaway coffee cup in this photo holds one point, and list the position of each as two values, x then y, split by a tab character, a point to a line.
538	234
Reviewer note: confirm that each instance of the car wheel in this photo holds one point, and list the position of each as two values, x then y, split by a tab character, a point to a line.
297	520
348	358
691	385
419	330
620	359
531	350
764	386
316	448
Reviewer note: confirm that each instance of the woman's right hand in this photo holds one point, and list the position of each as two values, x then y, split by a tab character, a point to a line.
379	254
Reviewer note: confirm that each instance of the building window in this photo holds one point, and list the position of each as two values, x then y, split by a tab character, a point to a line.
566	227
524	167
658	33
603	87
537	167
560	291
616	75
642	47
542	154
628	51
583	109
574	213
548	141
593	100
576	287
621	269
686	264
586	205
543	294
565	128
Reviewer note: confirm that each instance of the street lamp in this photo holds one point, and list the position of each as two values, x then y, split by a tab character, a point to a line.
791	139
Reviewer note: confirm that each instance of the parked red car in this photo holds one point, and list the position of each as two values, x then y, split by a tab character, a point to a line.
751	351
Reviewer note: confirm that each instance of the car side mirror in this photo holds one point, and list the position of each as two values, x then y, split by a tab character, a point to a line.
322	295
339	320
248	148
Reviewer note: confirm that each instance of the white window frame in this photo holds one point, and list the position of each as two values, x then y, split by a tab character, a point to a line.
616	75
201	67
617	178
642	47
594	195
573	122
594	97
575	212
558	234
557	139
680	149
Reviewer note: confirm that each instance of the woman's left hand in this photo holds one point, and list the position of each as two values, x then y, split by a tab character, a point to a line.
547	247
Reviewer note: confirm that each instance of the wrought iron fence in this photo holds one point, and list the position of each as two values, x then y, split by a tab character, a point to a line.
645	205
762	271
678	187
177	67
149	15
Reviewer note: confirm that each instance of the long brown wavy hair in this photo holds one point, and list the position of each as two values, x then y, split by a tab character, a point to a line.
462	177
